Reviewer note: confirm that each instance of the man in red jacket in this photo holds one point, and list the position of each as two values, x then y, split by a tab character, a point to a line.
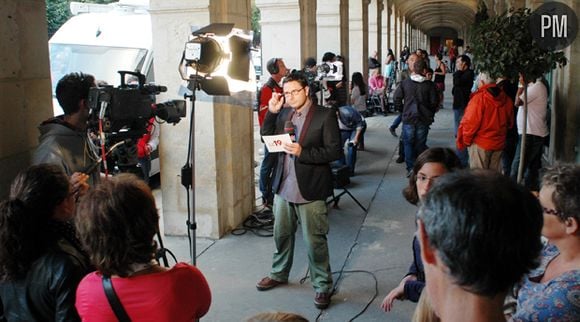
484	125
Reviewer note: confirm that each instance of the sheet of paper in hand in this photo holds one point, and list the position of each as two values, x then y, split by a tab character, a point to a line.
275	143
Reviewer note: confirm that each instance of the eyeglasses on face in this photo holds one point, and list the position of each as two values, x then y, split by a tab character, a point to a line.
421	178
552	212
293	93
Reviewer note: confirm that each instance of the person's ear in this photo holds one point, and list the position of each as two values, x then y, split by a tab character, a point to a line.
427	252
571	226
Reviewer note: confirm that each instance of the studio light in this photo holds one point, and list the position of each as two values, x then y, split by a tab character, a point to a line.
217	60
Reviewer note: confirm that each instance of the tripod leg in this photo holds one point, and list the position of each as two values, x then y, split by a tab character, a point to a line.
355	200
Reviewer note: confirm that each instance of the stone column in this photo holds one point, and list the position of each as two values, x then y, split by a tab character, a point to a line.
345	34
223	138
386	29
25	91
379	30
358	37
400	31
328	19
308	39
281	32
373	43
396	30
565	130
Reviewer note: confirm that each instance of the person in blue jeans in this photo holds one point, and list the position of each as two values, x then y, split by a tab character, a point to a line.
352	126
417	98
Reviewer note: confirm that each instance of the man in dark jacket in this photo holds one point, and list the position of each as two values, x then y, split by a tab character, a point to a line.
302	183
462	84
417	98
63	139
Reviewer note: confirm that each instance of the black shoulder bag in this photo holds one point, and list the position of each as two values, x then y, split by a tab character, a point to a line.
114	300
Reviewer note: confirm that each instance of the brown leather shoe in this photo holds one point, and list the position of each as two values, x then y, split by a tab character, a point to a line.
322	300
267	283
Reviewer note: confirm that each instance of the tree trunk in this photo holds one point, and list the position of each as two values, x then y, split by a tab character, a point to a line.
523	139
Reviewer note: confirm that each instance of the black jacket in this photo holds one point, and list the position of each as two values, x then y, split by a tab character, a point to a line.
47	291
320	146
462	84
417	100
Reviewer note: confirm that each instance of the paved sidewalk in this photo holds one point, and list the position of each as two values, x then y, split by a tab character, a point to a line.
372	250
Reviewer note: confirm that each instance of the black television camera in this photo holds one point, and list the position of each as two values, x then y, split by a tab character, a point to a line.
330	70
123	114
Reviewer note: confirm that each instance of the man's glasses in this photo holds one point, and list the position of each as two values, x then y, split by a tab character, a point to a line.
293	93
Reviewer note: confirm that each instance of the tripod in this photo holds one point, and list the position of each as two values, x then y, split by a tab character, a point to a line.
341	178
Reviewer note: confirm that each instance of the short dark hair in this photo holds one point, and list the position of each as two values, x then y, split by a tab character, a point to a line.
464	58
116	222
565	178
485	228
310	62
71	89
444	156
328	56
34	195
419	66
296	76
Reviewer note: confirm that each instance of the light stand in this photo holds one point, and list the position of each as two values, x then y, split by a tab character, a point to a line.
188	174
204	59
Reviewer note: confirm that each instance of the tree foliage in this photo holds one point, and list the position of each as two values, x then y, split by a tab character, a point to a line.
504	46
256	27
58	12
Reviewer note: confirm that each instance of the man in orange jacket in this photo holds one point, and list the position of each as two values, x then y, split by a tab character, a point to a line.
484	125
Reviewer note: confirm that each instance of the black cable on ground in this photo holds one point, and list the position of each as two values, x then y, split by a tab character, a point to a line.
261	223
341	271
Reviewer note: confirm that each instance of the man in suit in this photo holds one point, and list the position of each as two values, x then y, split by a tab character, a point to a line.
302	183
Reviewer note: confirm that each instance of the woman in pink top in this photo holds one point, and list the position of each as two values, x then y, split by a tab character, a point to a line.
117	222
377	86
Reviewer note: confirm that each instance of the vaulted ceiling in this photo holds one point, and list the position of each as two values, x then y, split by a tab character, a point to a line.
430	14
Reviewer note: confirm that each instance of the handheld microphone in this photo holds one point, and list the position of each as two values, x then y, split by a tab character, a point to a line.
289	128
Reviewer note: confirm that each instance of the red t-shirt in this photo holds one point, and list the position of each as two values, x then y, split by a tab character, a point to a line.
178	294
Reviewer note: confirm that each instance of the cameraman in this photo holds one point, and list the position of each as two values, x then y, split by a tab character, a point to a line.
63	139
311	72
333	80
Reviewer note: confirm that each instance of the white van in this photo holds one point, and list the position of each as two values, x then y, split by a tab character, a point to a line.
101	40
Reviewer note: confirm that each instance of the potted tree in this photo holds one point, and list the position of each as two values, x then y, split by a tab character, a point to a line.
504	46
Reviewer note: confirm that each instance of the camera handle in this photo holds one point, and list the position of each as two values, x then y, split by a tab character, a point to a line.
139	76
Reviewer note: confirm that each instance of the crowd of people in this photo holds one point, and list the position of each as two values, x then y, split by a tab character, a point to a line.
454	218
56	264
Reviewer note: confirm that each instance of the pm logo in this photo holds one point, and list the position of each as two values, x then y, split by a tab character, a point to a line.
554	26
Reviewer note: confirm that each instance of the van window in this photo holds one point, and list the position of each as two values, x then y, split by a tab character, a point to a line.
100	61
